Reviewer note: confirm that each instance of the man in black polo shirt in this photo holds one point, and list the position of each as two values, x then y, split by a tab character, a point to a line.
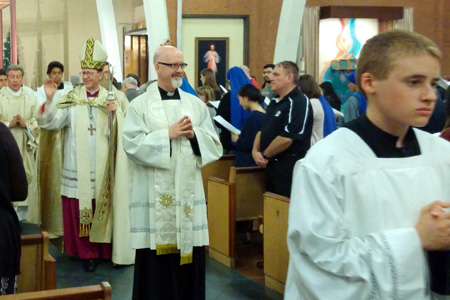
285	134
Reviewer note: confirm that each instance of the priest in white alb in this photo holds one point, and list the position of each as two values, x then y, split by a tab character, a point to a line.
94	190
50	158
369	203
169	136
18	110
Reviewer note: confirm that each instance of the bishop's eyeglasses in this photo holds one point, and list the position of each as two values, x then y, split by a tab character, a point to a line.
87	73
174	66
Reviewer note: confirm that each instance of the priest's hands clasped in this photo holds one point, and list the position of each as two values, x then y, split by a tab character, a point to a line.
433	226
181	128
17	121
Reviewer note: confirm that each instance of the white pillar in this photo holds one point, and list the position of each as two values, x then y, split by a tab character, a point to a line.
179	23
157	29
110	41
291	17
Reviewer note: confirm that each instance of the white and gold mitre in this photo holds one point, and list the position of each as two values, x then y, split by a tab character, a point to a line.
93	55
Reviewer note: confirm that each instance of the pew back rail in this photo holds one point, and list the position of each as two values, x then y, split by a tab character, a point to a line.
276	254
240	198
37	266
220	169
94	292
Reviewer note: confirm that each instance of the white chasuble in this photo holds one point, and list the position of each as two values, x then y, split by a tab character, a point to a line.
86	173
352	215
24	103
168	207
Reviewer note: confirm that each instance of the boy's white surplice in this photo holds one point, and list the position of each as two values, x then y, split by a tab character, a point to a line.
168	208
351	222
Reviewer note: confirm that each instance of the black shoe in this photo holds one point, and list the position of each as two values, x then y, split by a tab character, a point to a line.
90	265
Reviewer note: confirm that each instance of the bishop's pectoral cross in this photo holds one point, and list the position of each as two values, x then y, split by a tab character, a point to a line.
91	129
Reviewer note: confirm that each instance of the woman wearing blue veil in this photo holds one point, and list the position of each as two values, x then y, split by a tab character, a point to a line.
230	109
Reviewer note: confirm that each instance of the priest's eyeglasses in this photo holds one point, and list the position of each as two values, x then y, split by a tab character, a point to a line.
174	66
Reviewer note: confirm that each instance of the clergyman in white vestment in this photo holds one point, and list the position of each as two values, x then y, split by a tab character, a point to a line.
169	136
94	187
18	110
50	158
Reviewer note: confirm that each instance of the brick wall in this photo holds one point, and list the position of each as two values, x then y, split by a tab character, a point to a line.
429	20
263	24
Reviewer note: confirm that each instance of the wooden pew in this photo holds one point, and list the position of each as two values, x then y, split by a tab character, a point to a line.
92	292
220	169
37	266
276	255
239	198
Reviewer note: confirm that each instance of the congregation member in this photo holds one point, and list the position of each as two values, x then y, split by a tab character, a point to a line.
250	98
308	85
230	109
12	182
92	194
18	110
169	136
330	94
51	157
129	86
361	222
266	88
208	78
138	80
356	104
3	78
285	134
75	79
250	77
206	93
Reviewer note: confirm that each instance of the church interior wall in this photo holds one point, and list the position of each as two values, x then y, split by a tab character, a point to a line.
50	30
195	27
56	29
429	19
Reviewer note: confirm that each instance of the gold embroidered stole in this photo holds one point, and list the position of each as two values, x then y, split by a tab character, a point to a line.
174	188
91	225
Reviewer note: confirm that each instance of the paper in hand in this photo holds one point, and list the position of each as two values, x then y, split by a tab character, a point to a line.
223	89
227	125
214	103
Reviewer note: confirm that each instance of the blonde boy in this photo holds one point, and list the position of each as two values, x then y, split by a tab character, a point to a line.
368	201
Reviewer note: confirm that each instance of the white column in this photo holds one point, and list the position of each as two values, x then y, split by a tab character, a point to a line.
179	23
108	29
157	29
291	17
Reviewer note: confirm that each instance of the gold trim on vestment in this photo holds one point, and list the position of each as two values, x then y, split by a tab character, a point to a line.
89	62
167	249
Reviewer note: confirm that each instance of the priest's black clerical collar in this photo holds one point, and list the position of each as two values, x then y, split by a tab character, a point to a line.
382	143
61	86
168	95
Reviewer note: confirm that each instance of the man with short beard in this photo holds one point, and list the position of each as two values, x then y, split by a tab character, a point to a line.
169	135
